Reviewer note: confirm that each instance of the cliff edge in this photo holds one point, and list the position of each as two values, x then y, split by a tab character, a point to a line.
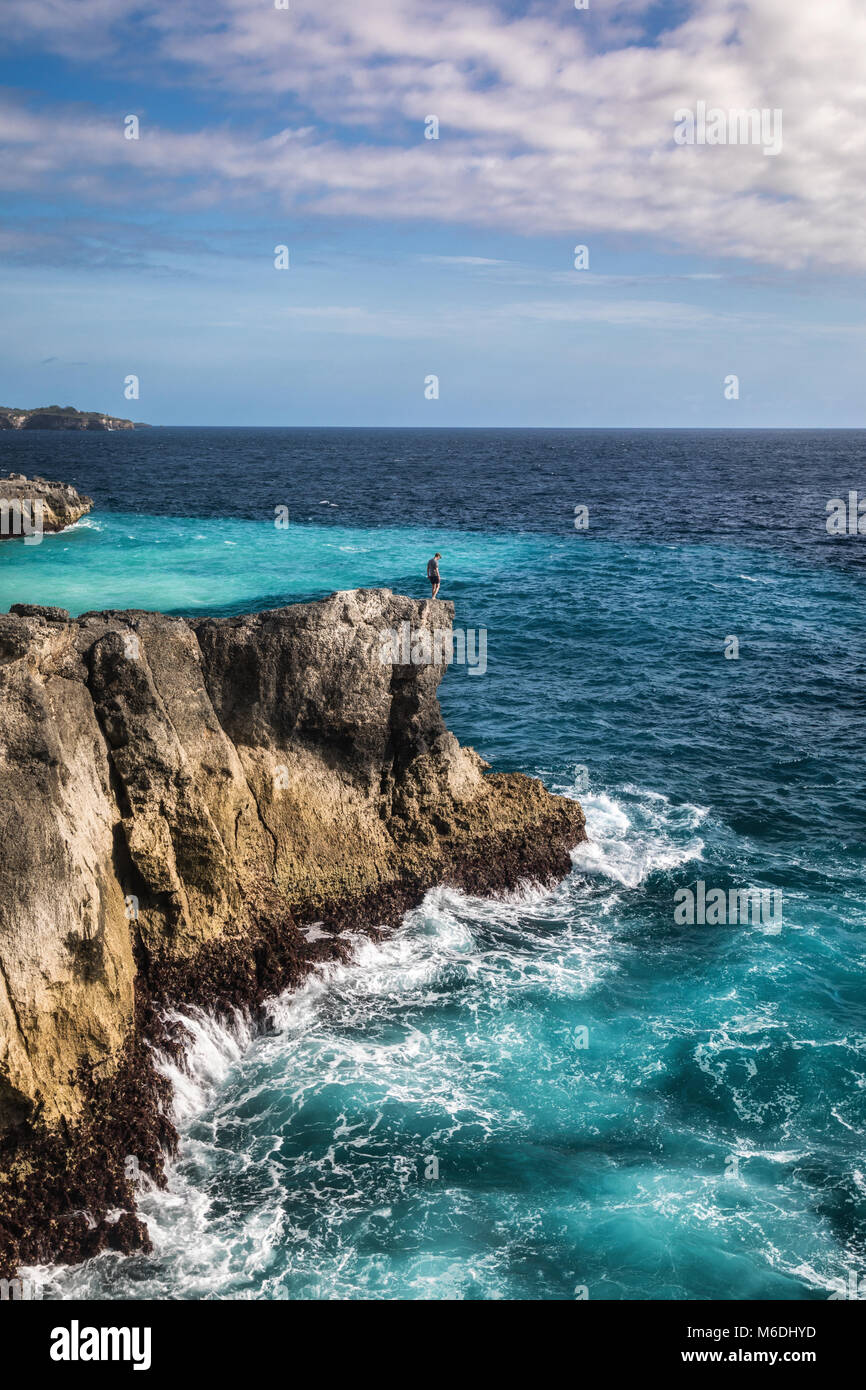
178	801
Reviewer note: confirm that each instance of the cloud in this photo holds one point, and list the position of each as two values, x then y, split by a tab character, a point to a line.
634	313
551	122
476	262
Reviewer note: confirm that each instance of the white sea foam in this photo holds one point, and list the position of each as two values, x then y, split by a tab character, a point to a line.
366	1027
315	932
496	947
212	1049
456	1027
636	834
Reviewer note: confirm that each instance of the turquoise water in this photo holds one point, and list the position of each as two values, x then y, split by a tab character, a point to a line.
174	564
565	1090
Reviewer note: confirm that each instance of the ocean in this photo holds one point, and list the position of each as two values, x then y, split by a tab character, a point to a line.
576	1093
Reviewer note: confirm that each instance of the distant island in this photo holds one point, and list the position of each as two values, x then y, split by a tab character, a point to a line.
63	417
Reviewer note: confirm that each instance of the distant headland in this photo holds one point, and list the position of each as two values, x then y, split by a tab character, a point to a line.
63	417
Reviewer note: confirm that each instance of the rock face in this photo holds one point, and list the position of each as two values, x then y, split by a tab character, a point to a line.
177	800
29	506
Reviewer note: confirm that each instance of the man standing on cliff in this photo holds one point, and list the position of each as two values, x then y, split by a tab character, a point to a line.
433	573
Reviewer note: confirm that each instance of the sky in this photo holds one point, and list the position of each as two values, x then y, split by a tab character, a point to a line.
409	258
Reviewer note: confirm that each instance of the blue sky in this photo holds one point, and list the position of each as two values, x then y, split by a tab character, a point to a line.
410	257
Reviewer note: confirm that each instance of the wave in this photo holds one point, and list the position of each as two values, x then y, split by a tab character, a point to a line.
635	833
365	1031
456	1038
212	1048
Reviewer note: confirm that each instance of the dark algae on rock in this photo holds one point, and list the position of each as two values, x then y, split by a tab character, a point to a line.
178	800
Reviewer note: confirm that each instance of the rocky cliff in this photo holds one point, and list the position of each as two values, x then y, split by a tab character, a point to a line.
178	801
28	505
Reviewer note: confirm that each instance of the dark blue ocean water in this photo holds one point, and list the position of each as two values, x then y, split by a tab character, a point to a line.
613	1100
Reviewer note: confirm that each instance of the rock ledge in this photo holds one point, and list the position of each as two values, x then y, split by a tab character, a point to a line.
29	505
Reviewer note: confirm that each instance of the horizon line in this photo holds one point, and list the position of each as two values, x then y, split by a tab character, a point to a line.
719	429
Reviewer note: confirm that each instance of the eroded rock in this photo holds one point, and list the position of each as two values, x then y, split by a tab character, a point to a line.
31	506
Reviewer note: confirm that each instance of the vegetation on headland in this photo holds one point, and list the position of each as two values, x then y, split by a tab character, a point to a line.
63	417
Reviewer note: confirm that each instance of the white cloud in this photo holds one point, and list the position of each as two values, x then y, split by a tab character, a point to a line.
475	262
547	124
